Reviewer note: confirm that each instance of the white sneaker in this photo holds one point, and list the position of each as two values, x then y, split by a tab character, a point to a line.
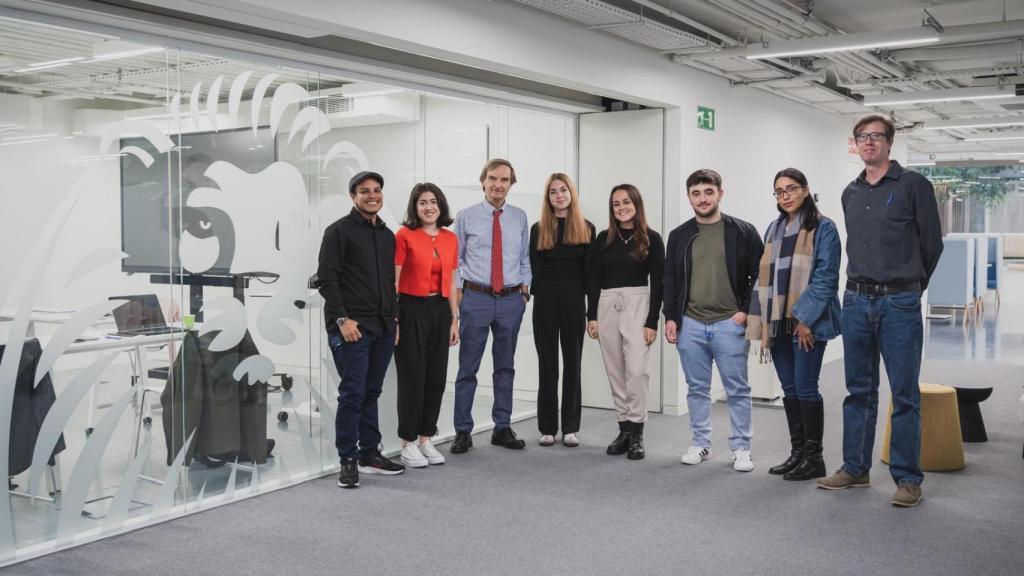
412	457
431	453
570	440
696	455
547	440
741	461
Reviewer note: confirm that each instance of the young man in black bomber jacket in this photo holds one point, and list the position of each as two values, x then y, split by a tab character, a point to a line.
711	265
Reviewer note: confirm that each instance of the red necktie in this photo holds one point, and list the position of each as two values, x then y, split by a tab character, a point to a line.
497	278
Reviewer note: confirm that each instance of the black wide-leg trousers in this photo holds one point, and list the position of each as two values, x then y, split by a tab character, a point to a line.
559	320
421	358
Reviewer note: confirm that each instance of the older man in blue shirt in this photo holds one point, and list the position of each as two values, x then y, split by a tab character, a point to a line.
494	273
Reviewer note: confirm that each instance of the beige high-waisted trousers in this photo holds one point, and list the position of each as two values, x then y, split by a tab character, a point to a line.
621	313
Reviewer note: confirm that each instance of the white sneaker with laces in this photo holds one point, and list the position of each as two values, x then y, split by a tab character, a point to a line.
412	457
547	440
741	461
570	440
431	453
695	455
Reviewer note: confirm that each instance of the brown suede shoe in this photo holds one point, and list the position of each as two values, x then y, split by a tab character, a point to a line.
842	480
907	496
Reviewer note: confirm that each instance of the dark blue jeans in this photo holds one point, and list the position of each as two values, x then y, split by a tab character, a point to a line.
361	365
798	370
480	314
889	325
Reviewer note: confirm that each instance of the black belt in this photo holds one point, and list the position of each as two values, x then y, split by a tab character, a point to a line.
871	289
487	289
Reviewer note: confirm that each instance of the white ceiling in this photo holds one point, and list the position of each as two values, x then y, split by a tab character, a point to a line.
837	82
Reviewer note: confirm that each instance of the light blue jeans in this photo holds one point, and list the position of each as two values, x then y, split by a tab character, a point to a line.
700	344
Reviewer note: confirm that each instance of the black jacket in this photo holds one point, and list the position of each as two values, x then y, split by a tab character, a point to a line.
356	275
743	248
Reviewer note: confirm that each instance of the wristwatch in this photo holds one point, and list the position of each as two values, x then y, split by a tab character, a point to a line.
341	321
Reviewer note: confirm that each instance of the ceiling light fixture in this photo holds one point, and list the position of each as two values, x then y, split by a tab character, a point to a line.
996	137
37	68
50	62
948	95
974	123
841	43
10	138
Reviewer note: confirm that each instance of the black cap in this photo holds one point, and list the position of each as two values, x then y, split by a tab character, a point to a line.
362	177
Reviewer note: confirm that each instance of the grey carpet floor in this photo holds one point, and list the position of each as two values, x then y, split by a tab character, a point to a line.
577	511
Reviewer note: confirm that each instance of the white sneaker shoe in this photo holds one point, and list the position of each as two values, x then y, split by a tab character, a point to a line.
431	453
696	455
412	457
570	440
547	440
741	461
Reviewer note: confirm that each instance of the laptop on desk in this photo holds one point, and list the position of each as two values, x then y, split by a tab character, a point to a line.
140	316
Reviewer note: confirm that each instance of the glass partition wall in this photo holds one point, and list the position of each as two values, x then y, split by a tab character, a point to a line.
161	350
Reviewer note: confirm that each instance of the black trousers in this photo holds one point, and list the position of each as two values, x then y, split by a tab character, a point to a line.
559	318
421	358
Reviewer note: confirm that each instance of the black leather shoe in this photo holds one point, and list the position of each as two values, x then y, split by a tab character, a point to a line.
797	437
349	477
620	445
462	443
507	438
376	463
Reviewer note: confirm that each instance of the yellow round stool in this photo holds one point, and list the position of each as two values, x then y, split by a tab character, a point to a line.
942	447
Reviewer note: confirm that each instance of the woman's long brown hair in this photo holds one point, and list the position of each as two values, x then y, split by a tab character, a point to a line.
576	229
641	242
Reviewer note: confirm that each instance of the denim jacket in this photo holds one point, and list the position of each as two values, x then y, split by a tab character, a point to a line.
818	306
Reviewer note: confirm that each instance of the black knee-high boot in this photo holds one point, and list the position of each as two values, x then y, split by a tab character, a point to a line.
796	436
812	465
636	441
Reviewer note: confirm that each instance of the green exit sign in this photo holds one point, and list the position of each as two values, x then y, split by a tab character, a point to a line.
706	118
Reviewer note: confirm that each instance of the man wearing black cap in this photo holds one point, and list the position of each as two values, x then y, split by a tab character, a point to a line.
357	280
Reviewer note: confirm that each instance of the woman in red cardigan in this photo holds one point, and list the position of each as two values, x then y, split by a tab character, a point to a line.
426	257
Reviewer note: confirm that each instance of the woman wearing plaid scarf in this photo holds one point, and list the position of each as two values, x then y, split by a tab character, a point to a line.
794	312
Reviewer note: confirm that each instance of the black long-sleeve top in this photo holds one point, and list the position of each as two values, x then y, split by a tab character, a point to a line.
562	265
614	267
356	274
893	230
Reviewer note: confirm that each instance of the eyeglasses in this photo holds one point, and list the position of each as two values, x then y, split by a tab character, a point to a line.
873	136
788	190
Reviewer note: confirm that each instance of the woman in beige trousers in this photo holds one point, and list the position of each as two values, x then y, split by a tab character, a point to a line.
625	266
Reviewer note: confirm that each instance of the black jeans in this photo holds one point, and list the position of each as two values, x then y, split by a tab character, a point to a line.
421	358
362	366
559	318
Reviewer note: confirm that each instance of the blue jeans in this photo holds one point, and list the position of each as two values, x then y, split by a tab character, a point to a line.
723	342
480	314
890	325
798	370
361	365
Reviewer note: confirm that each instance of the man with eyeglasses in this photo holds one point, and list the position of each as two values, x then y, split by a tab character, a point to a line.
894	240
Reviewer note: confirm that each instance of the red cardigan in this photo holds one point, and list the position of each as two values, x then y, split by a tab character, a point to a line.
414	252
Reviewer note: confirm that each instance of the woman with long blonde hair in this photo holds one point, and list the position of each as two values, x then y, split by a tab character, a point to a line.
558	252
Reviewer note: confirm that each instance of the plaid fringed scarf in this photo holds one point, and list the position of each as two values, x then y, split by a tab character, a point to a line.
784	272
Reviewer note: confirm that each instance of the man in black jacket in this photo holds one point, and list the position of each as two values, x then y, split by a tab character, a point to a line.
711	265
357	280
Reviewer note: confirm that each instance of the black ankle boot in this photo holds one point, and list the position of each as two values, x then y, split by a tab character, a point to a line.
620	445
812	465
636	441
796	436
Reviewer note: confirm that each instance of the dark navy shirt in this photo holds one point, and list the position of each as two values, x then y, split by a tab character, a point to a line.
892	227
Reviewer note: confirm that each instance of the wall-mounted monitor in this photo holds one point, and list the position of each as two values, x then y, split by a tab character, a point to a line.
153	199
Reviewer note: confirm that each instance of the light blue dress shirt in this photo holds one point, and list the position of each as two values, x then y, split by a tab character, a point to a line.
473	229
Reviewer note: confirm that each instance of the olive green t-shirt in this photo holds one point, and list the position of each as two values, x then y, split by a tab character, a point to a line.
710	298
